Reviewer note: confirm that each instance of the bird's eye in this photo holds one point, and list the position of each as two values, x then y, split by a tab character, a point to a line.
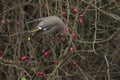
44	29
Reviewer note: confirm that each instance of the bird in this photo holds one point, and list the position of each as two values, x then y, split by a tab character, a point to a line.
47	26
50	25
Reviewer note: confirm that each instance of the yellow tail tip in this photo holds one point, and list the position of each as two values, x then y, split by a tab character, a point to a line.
29	38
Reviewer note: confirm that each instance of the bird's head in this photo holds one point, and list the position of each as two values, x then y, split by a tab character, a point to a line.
50	25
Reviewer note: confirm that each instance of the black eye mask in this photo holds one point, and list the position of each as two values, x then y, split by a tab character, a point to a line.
44	29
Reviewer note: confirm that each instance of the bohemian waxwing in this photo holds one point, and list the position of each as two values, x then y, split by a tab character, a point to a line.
49	25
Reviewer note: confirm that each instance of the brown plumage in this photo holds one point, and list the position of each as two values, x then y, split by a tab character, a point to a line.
50	25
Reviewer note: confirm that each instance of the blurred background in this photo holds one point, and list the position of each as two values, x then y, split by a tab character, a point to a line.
91	51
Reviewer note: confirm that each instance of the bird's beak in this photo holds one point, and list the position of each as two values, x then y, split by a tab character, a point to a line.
36	29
